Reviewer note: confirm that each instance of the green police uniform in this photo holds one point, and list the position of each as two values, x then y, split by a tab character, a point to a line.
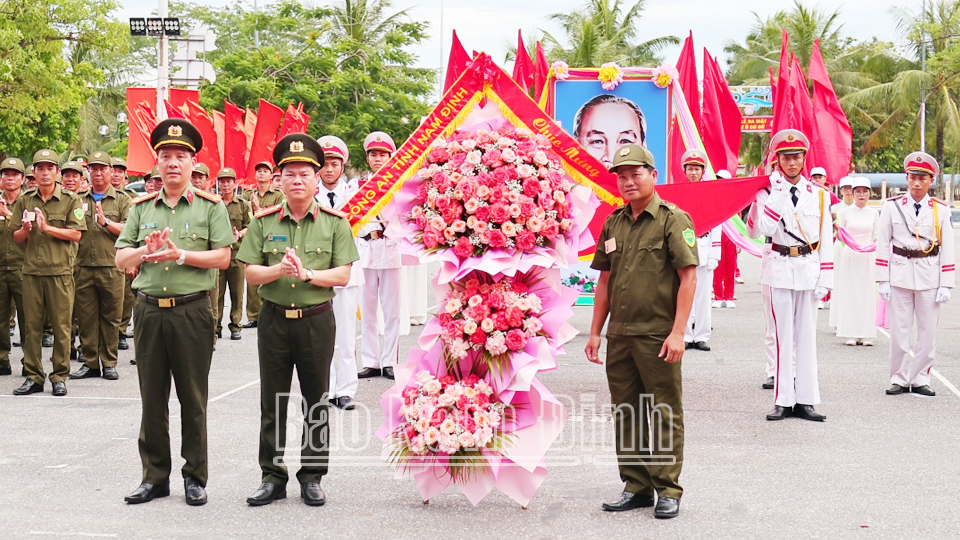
296	326
272	197
11	276
172	320
642	256
240	215
99	303
48	286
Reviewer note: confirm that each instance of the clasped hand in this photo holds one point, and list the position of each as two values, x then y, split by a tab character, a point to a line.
160	248
292	266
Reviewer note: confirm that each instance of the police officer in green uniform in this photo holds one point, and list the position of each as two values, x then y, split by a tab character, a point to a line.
119	182
11	256
50	221
647	257
296	253
240	215
99	300
264	195
179	237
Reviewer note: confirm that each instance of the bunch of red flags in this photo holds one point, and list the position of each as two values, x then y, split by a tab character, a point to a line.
528	73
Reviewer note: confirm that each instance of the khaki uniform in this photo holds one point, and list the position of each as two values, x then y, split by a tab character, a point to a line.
99	300
128	297
642	257
240	215
272	197
11	284
289	337
48	286
174	340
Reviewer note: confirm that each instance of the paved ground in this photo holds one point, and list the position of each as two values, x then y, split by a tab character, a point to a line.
880	467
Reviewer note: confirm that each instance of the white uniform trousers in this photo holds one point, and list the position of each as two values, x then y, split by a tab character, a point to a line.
795	319
770	331
904	306
343	366
381	287
699	323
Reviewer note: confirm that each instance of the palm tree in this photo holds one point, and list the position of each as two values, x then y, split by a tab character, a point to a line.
603	32
365	22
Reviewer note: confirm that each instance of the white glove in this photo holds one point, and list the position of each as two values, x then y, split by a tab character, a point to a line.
820	292
883	289
712	265
943	295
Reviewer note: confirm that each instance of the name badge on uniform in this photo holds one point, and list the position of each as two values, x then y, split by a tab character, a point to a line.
276	238
86	207
610	245
149	226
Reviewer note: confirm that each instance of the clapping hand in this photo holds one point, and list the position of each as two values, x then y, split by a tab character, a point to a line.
101	219
4	209
236	235
291	265
25	223
41	220
157	240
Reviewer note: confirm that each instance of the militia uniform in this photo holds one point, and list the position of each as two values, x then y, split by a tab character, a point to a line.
240	215
796	217
11	271
172	320
296	327
128	298
642	257
916	271
699	326
271	197
48	286
99	283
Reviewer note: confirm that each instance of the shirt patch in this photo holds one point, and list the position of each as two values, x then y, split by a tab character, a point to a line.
149	226
78	212
276	238
610	245
689	237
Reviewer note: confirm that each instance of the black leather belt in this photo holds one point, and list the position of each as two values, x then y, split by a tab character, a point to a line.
915	253
794	251
704	235
375	235
172	301
300	313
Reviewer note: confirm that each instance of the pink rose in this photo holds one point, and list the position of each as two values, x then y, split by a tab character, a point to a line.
463	248
526	241
496	301
566	225
497	239
438	155
531	188
487	325
509	229
501	176
480	226
500	213
519	287
516	340
471	205
483	213
422	190
457	160
500	321
430	239
497	193
483	192
478	338
550	228
491	158
534	224
515	210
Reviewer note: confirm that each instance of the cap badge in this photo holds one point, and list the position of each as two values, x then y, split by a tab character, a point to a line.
327	144
296	146
791	138
379	138
45	153
624	152
97	155
175	131
12	162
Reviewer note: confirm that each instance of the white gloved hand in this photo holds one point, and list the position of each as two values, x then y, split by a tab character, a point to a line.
712	265
883	289
943	295
820	292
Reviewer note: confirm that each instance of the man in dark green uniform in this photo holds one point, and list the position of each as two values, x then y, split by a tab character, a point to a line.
264	195
99	301
118	180
11	256
178	237
200	178
240	215
50	221
296	254
647	257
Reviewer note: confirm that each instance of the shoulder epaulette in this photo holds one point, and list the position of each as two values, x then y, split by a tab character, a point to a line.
208	196
894	198
941	201
30	191
144	198
268	210
333	211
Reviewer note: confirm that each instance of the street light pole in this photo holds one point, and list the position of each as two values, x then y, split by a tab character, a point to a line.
163	73
923	90
443	65
256	28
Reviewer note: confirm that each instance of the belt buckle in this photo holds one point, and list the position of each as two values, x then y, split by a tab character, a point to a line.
165	302
293	313
375	235
794	251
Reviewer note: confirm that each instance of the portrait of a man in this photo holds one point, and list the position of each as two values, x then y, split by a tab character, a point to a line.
606	122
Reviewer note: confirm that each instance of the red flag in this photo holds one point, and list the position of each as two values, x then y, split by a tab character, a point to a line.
249	128
210	153
523	70
269	117
234	138
721	118
174	111
687	67
834	138
541	70
294	121
459	59
180	96
802	112
142	118
780	98
218	127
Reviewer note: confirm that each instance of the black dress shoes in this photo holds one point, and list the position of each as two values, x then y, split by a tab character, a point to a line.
193	492
388	372
701	346
779	413
266	494
345	403
807	412
312	494
368	372
628	501
148	492
133	361
47	342
667	508
767	384
28	387
85	373
896	390
689	345
235	335
251	324
924	390
123	345
60	389
110	374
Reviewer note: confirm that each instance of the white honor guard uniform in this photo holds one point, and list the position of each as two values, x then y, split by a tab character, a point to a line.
343	367
380	259
697	332
915	268
796	217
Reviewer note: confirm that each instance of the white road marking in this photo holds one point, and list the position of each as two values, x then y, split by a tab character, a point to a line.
234	391
56	466
64	398
83	534
933	372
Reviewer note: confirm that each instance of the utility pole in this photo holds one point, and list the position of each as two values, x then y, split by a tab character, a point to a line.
256	28
443	65
923	90
163	69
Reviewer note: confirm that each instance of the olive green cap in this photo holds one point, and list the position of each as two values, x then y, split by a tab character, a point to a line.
154	173
632	154
100	158
29	172
202	169
176	132
46	156
12	163
72	166
227	172
119	162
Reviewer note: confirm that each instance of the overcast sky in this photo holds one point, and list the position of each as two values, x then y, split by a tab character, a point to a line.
485	25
